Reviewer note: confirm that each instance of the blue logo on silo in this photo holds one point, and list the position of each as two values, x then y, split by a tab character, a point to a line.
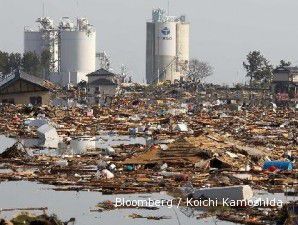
165	31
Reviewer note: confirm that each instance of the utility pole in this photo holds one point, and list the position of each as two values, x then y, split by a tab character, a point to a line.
43	9
158	63
77	8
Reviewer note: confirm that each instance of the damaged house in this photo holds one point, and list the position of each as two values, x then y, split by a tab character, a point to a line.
22	88
285	83
102	84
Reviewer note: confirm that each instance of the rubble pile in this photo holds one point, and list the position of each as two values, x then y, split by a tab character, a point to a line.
27	218
208	136
15	151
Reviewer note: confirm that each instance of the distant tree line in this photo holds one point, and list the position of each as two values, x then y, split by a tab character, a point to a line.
29	62
259	70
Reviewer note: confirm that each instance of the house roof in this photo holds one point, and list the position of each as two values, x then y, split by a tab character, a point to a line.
103	81
101	72
289	69
44	84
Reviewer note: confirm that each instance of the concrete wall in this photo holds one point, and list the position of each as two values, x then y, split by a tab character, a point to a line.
107	90
91	78
295	78
281	77
24	98
285	77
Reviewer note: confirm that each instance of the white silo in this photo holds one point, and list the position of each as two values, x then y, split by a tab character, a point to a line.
45	38
182	46
167	53
77	50
165	50
33	41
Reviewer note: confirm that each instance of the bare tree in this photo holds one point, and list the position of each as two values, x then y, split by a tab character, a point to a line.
199	70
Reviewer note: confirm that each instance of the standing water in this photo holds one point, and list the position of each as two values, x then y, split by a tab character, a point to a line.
78	204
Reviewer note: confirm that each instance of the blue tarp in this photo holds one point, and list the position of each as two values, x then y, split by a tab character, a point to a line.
282	165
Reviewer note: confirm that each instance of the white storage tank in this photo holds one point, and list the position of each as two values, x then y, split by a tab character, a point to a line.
167	51
183	46
45	38
78	51
33	42
165	39
72	47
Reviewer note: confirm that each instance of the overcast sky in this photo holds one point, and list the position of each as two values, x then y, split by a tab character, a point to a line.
222	31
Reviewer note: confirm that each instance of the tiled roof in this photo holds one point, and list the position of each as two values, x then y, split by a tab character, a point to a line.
286	69
29	78
101	72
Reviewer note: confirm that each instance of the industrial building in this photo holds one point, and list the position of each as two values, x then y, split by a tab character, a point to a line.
167	53
43	39
72	47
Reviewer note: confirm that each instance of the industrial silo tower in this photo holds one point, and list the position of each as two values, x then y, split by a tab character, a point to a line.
77	50
72	48
43	39
167	50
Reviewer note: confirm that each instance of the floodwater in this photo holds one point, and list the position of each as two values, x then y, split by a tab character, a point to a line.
276	196
78	145
81	145
69	204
